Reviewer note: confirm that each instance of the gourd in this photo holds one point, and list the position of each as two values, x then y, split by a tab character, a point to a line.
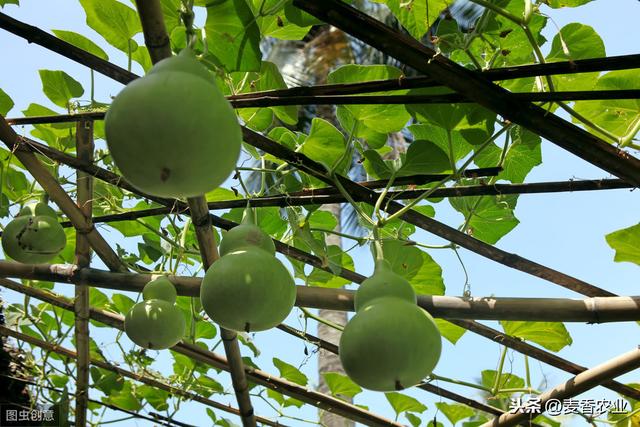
34	236
248	288
391	343
156	322
172	133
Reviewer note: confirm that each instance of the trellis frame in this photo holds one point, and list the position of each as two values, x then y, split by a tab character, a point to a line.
408	51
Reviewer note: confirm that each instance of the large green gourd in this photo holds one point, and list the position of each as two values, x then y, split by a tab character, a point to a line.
390	344
172	133
33	239
248	290
155	324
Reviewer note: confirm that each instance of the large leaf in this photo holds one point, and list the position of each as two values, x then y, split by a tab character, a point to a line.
506	380
337	259
380	118
576	41
455	412
6	103
268	78
403	403
424	157
59	87
522	156
233	36
449	331
617	116
551	335
626	243
488	218
290	372
416	15
449	141
414	265
325	144
114	21
82	42
341	385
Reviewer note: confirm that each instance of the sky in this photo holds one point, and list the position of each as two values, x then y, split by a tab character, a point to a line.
563	231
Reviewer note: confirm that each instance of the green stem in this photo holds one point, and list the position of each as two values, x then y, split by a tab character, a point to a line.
527	371
635	128
496	383
459	382
322	320
352	202
361	240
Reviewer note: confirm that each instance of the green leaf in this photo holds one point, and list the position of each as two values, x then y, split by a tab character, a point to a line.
522	156
337	259
233	36
122	303
403	403
450	331
455	412
299	16
6	103
205	330
290	372
423	157
82	42
506	381
325	144
3	3
489	217
269	78
617	116
551	335
557	4
626	243
124	398
59	87
576	41
323	219
416	266
380	118
341	385
116	22
442	138
416	16
413	419
156	397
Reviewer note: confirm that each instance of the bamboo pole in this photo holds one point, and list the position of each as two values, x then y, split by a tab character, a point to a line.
84	182
162	385
197	353
589	310
580	383
60	197
418	56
